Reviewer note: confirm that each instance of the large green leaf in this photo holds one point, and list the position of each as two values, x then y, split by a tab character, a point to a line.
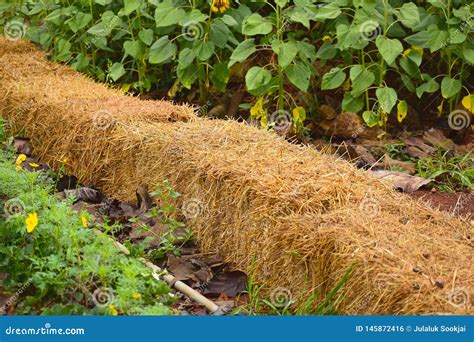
469	55
204	49
146	36
329	11
419	39
306	51
162	50
242	51
256	24
387	98
333	79
219	33
371	118
299	75
257	77
116	71
130	6
437	39
389	48
186	57
166	14
352	104
408	14
134	48
450	87
287	53
80	21
429	87
361	79
187	76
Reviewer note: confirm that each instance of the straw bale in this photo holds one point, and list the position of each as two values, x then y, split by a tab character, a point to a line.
296	218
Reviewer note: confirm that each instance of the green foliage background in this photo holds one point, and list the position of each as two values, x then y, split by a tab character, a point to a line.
371	51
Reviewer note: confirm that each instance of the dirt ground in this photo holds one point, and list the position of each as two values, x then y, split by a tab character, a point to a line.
459	203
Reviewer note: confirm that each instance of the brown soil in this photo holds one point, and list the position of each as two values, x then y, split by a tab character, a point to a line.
459	203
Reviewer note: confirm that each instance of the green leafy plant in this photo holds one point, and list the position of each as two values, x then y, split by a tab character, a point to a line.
379	57
450	172
57	263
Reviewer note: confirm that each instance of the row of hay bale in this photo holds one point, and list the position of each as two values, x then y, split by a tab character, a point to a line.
296	218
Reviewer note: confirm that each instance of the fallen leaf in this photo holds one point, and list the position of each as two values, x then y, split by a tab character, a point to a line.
229	283
400	180
88	195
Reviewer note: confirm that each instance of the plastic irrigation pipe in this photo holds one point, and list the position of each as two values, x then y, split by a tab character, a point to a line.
160	274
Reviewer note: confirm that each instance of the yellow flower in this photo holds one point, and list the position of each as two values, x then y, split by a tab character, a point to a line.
34	165
31	222
136	296
84	221
20	159
18	168
220	5
113	311
327	38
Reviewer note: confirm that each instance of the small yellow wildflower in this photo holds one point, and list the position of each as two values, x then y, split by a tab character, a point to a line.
113	311
220	5
31	222
34	165
20	159
327	38
18	168
84	221
136	296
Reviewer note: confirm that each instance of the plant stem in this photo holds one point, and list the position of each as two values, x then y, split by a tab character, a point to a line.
280	102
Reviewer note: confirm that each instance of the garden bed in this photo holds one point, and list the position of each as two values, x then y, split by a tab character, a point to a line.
297	218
